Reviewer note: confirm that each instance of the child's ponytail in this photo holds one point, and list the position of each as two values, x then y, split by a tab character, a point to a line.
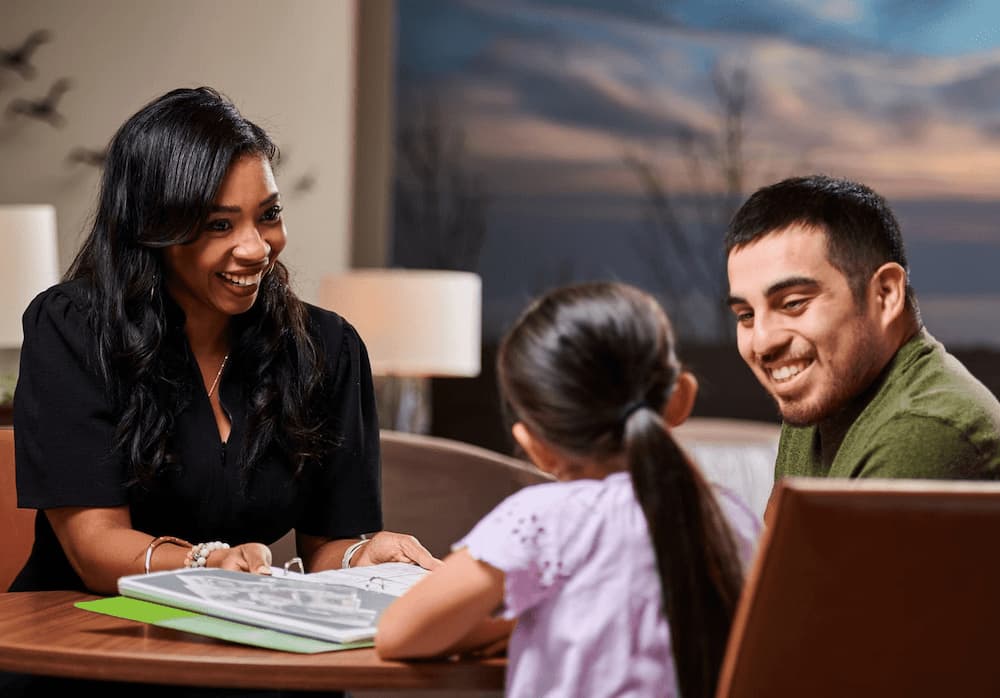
700	573
589	369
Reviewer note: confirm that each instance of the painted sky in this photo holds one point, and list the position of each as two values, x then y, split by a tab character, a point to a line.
551	96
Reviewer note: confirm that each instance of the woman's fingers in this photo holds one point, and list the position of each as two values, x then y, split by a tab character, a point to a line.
386	546
249	557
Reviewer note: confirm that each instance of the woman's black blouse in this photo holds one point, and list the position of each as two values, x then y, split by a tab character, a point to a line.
64	426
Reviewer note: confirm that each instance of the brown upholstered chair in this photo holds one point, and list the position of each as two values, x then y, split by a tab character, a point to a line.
863	588
737	453
17	526
437	488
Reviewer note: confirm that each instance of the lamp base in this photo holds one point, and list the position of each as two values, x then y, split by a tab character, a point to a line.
404	403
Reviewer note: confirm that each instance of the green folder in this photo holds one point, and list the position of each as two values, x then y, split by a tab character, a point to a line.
209	626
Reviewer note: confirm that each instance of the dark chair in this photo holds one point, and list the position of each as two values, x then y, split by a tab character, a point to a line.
736	453
871	588
17	525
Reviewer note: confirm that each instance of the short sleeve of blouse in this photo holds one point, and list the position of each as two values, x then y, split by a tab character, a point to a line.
344	500
537	537
63	428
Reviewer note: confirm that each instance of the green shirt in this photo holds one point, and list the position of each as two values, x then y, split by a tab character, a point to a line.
926	416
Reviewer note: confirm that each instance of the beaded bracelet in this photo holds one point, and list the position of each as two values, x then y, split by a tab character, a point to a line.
156	542
198	554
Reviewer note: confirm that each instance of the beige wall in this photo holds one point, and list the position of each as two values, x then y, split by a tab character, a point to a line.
288	65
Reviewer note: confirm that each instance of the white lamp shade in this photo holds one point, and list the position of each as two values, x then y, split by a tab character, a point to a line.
29	263
414	322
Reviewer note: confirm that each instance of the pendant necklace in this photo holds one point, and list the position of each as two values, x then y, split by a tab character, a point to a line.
218	376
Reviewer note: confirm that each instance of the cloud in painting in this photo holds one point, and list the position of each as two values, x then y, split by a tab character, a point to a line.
552	95
868	115
977	92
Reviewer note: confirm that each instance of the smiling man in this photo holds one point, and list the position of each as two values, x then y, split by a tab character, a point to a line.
829	324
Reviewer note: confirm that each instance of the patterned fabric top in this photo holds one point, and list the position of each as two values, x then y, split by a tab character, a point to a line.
580	576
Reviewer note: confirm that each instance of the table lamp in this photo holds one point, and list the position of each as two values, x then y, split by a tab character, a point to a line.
29	263
416	324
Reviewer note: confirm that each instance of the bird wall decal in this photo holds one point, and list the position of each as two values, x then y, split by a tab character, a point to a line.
304	184
88	156
44	109
19	59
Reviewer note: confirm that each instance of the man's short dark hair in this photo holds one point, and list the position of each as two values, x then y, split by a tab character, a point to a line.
861	230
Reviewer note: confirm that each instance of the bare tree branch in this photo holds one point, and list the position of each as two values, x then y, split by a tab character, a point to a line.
716	168
440	207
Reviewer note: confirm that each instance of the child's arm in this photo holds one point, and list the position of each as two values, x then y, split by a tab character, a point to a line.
447	611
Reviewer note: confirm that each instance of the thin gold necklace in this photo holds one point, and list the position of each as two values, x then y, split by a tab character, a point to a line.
218	376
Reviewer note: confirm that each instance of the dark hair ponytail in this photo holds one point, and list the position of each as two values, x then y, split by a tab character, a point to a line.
700	572
589	368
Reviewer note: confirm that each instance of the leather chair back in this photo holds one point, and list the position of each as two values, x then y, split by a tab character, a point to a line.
736	453
871	588
436	488
17	526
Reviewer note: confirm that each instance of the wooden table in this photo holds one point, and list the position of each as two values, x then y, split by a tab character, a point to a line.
43	633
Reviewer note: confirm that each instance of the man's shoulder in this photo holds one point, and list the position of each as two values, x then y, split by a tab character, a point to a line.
928	417
932	382
929	414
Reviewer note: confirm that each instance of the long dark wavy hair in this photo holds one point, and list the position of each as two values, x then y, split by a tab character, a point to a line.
163	170
571	369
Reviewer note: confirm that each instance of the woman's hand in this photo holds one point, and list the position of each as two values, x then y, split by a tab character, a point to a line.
386	546
249	557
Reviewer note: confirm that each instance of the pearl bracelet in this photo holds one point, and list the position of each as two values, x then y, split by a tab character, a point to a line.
198	554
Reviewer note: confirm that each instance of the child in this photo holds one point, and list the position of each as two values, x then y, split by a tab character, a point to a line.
622	577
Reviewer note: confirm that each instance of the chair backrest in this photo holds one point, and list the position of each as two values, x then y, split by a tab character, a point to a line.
436	488
737	453
17	526
881	588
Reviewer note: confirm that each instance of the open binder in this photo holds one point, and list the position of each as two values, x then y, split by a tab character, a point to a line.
321	611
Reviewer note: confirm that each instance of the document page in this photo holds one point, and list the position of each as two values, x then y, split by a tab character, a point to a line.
387	577
323	609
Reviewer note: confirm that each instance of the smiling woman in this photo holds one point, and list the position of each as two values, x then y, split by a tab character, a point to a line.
219	273
173	388
241	239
